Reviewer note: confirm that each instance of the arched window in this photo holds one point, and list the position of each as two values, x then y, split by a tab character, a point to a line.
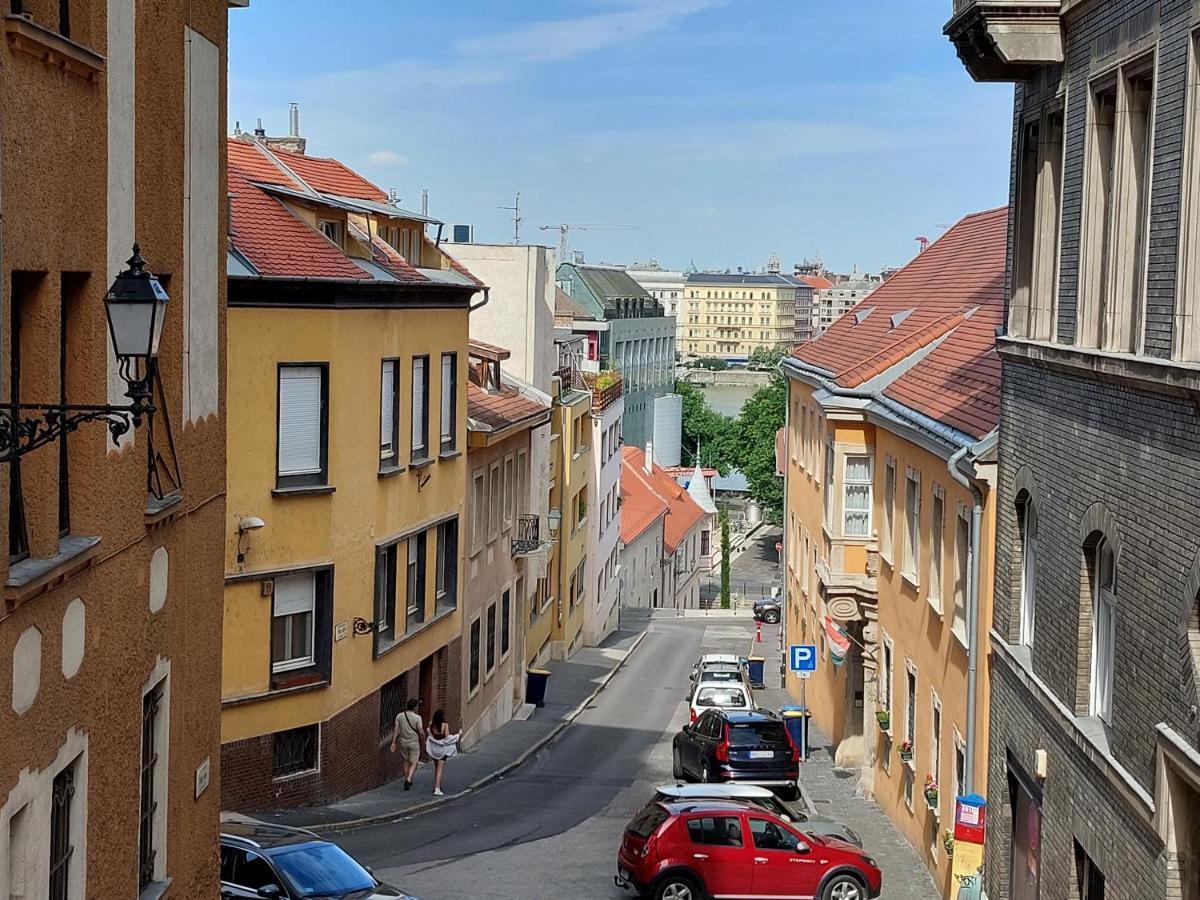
1027	525
1103	567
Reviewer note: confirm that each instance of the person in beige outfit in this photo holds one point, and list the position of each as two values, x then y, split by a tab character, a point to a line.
409	734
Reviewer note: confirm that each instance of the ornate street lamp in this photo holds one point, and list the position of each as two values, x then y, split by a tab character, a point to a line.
136	305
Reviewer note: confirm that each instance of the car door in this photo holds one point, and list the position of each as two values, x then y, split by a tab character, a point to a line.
779	869
695	744
244	872
721	853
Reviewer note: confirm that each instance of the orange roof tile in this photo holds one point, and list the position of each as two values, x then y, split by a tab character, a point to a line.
655	491
329	176
817	282
502	409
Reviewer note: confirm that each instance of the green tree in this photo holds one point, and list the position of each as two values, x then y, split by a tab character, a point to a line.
761	417
715	434
725	599
765	358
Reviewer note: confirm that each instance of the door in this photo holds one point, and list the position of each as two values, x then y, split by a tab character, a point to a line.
243	873
693	744
779	869
721	854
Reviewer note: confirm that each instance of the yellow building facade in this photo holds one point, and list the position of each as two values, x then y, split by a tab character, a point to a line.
732	315
345	514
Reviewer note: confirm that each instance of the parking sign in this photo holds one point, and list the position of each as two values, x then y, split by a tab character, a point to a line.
803	659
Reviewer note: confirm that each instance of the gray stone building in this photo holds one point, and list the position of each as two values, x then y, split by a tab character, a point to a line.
1094	772
627	332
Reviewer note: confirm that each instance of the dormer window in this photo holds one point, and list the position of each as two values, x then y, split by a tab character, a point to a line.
333	229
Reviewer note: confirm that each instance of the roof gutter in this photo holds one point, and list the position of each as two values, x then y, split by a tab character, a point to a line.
482	303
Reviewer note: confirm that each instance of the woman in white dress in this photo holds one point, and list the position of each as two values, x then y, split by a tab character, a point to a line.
440	744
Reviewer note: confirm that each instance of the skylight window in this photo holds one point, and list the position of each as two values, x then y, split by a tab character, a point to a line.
332	229
899	317
860	315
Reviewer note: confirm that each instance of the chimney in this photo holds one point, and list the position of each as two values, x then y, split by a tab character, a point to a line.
294	120
649	457
259	131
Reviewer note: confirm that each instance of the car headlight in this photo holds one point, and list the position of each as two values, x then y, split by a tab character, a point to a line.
870	862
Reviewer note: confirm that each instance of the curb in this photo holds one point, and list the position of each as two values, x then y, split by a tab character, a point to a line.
537	746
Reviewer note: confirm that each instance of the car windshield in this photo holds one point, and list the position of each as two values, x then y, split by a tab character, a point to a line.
746	734
320	869
720	696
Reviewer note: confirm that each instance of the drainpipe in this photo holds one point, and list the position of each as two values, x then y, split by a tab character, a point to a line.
787	468
973	568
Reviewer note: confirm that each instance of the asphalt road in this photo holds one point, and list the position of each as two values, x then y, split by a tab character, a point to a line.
551	828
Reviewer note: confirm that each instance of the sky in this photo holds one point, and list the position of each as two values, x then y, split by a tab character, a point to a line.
718	132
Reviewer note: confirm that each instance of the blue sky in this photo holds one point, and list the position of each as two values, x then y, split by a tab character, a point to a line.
725	130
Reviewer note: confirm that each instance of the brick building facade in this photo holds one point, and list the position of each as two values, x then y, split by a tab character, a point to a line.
1094	774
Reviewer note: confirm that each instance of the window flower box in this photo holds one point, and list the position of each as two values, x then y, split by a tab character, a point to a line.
906	751
948	842
884	718
931	792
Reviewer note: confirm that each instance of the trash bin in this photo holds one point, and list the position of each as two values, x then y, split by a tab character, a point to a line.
795	720
535	686
754	669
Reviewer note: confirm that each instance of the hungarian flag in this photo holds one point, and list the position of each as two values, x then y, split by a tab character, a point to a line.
839	641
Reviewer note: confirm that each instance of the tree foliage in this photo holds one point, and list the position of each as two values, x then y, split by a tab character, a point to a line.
715	434
765	358
761	417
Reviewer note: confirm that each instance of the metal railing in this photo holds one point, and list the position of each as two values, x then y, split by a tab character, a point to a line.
528	537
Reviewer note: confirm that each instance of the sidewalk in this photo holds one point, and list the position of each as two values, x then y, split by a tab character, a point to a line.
828	791
574	683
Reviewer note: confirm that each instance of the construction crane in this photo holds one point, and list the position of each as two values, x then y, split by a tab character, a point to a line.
565	230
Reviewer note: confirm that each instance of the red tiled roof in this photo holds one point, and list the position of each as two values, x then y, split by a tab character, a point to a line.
816	282
502	409
249	159
952	293
682	511
641	507
329	176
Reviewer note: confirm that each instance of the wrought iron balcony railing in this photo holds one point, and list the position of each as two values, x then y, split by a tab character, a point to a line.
528	539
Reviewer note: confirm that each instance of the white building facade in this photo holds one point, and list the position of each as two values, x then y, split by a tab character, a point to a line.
604	524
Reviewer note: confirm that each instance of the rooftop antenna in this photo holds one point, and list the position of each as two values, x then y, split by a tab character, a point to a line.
393	197
294	120
425	201
922	242
515	209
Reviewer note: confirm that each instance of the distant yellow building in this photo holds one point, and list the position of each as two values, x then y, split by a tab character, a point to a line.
347	404
732	315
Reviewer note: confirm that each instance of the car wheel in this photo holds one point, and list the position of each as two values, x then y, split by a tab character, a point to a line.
677	886
705	777
844	887
771	618
676	764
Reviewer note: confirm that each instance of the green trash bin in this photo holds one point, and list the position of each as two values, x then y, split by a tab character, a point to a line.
535	686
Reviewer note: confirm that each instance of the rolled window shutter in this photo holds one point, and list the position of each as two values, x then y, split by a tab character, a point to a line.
447	397
387	404
295	594
299	420
418	404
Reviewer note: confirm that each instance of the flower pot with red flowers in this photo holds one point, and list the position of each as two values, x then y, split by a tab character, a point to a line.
931	792
906	751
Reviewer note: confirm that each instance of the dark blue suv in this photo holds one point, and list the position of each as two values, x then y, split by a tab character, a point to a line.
747	746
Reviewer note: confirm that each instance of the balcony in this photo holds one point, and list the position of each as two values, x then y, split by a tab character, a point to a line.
528	539
1006	40
606	388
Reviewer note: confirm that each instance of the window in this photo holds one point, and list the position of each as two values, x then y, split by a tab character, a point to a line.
385	596
296	751
393	696
293	622
389	405
505	620
420	411
493	517
510	487
478	510
473	668
415	582
960	765
581	506
910	724
856	513
705	542
449	399
829	486
885	675
1039	209
302	425
332	229
769	836
74	288
1025	863
720	831
889	510
1104	620
1187	317
1027	526
149	813
937	538
491	638
912	525
246	870
935	748
62	805
1089	880
446	583
962	542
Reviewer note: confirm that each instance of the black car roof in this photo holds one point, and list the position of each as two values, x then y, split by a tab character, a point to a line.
744	716
261	836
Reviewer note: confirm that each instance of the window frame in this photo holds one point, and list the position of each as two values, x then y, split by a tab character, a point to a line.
419	452
445	585
1027	534
508	492
911	550
491	614
1104	598
494	495
389	460
505	624
867	483
319	478
474	656
888	532
416	583
386	588
478	521
448	441
937	550
292	663
323	597
960	625
1185	331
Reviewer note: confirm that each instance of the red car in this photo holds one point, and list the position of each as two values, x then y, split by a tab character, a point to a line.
692	850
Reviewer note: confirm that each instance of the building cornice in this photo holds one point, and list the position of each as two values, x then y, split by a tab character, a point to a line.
1147	373
285	292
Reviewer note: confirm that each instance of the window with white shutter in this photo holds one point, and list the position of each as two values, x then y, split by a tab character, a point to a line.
388	406
302	425
449	400
420	411
293	617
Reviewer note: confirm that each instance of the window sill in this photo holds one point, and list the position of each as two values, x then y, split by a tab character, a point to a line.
158	509
439	616
449	454
155	889
275	692
28	36
960	635
421	462
910	581
31	575
935	603
390	470
305	490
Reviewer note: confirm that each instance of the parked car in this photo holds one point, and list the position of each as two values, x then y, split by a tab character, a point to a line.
711	659
689	850
718	695
271	861
749	746
768	609
726	672
755	795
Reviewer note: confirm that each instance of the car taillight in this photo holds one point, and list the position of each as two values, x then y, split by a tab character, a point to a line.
723	747
693	715
795	754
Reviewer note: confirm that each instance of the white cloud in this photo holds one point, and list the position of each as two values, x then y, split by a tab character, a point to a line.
387	158
554	40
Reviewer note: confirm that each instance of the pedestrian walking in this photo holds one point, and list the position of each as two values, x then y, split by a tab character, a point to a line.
408	734
440	745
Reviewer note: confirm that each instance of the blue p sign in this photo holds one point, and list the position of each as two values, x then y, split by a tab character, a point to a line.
803	657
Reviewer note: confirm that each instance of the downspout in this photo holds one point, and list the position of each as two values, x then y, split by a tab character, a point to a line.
973	568
787	468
